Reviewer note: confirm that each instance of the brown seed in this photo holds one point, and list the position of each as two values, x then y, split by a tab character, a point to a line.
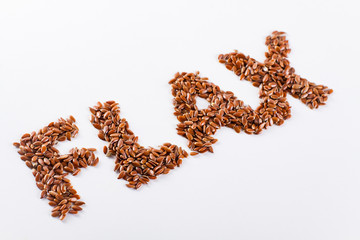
122	174
83	163
105	150
29	164
55	214
79	203
68	169
130	185
76	172
96	161
138	185
73	211
72	118
43	149
76	208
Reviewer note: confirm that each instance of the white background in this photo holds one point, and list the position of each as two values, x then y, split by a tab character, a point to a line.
294	182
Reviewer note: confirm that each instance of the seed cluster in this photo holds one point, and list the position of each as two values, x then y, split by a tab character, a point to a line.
50	168
137	164
276	68
274	78
134	163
